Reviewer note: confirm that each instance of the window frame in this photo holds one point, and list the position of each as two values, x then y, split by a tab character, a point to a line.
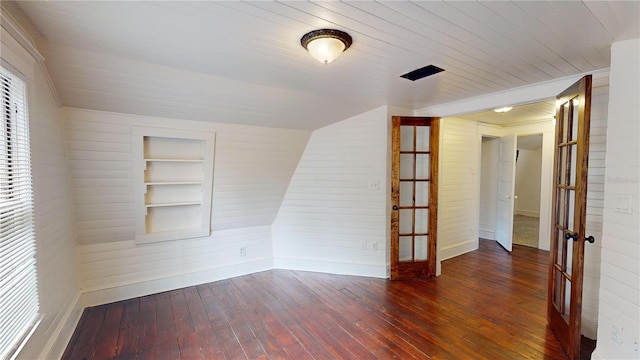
20	315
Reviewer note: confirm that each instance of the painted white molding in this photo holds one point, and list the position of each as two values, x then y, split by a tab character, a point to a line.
487	234
369	270
146	287
60	337
49	81
18	33
535	214
589	327
513	97
596	356
459	248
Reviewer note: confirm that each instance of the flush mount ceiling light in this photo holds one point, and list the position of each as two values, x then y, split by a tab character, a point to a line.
326	44
503	110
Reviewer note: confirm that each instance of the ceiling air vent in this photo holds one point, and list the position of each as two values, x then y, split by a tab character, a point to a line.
422	72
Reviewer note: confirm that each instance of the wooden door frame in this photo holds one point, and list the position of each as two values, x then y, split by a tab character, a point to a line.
430	270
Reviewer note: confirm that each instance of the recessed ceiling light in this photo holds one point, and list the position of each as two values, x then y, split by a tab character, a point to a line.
503	110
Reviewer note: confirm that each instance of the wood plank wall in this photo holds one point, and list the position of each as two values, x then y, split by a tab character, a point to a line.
253	166
595	210
56	248
619	302
458	219
330	218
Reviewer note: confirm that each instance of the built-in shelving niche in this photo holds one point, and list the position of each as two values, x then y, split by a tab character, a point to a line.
173	175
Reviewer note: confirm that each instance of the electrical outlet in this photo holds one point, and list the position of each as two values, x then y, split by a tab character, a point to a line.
364	245
374	246
243	251
636	348
616	333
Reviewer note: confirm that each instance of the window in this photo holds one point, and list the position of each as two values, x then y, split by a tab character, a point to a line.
18	281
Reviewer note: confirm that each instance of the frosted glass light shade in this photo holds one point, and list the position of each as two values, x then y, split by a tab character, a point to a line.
326	45
325	50
503	110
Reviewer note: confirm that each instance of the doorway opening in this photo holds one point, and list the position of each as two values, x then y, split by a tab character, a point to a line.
526	214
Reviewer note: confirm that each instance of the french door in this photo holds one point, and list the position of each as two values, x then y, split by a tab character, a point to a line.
564	303
414	197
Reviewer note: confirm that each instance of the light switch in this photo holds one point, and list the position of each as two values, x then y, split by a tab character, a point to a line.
624	203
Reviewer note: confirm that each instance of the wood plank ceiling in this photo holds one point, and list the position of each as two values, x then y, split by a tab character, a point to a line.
241	62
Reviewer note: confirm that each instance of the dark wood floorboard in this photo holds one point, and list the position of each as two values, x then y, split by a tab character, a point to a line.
487	305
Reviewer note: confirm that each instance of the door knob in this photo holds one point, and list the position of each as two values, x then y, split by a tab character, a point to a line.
395	207
590	239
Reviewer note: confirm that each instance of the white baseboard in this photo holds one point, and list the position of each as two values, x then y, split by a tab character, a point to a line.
54	348
147	287
589	327
596	356
487	234
453	250
535	214
377	271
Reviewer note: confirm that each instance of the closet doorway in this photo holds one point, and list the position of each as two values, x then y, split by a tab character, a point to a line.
528	189
526	214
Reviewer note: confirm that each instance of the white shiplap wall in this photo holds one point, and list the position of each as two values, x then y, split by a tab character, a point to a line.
57	269
458	201
253	166
595	200
329	211
55	251
619	305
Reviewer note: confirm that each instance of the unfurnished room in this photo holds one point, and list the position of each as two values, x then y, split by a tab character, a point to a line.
320	180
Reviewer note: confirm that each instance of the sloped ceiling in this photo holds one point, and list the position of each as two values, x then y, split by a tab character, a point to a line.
241	62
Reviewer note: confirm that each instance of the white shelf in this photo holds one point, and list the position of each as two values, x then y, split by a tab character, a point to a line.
172	235
173	174
154	183
186	203
177	160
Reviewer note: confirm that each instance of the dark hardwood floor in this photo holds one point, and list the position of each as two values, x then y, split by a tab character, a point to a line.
486	305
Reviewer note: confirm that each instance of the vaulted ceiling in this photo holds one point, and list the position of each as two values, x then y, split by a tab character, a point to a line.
241	62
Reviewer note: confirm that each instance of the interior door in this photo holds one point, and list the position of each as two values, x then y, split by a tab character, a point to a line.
414	197
573	107
506	189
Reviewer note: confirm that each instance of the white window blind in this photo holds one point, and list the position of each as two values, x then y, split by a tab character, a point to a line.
18	280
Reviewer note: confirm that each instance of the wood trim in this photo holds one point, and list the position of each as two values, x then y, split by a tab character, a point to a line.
395	195
433	195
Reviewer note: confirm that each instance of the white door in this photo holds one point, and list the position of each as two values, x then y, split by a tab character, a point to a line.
506	188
